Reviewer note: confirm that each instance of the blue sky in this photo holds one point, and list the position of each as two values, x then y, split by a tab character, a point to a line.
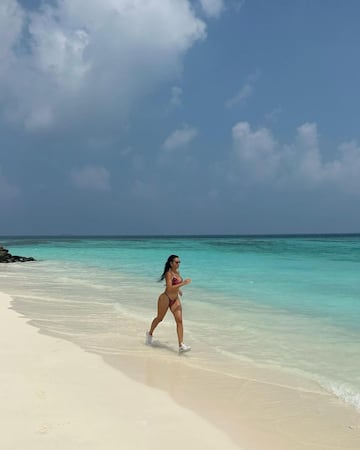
179	117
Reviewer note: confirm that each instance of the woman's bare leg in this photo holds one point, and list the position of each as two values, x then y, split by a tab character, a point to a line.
162	307
177	312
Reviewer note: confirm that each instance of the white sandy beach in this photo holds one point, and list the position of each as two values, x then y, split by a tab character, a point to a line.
56	395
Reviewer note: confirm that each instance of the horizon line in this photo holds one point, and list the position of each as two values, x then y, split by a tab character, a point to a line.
71	235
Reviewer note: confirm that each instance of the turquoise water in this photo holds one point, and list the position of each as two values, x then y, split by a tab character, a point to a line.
290	303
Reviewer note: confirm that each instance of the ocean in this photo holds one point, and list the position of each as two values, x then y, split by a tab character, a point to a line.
283	305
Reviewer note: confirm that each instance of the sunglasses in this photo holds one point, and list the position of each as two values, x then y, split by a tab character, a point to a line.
177	262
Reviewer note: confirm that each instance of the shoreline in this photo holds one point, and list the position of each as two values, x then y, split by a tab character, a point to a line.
232	412
55	395
255	414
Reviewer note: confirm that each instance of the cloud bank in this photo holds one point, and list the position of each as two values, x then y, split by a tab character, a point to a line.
260	159
82	58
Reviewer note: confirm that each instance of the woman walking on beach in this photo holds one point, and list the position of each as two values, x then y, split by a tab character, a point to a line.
171	299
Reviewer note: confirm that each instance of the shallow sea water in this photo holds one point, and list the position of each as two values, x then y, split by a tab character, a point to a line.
289	305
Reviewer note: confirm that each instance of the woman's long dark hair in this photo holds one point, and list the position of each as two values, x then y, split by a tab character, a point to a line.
167	266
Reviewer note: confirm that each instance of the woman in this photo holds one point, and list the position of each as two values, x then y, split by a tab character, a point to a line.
170	299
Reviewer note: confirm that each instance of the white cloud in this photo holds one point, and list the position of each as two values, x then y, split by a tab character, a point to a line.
241	96
91	178
307	152
212	8
180	138
244	92
58	50
256	150
261	159
85	58
11	22
345	170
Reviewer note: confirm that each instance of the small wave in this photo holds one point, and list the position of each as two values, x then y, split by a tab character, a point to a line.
341	390
344	393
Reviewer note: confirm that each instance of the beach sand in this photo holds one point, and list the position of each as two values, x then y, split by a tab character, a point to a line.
55	395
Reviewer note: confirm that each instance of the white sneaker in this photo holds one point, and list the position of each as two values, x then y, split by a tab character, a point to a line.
148	339
184	348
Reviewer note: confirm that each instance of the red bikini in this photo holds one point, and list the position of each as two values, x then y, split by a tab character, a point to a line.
174	282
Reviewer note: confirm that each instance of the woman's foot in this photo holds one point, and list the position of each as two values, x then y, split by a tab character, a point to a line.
184	348
148	338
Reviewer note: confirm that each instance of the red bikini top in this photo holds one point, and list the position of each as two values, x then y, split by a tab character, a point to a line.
175	281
